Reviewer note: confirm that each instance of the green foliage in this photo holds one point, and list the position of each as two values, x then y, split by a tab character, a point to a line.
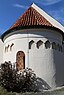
4	92
17	81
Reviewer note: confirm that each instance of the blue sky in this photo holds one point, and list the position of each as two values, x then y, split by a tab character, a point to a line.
11	10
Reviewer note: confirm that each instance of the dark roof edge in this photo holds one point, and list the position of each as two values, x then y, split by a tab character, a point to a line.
31	27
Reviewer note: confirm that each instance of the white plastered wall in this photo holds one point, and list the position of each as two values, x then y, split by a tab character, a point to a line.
1	51
20	44
47	63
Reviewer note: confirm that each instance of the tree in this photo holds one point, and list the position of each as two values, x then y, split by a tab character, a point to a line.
17	81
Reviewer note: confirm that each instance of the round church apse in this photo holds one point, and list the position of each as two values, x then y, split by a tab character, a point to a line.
20	60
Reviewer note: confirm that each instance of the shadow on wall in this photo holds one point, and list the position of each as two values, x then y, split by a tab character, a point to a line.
59	66
42	85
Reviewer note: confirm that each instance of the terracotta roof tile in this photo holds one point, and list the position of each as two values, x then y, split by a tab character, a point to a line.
31	17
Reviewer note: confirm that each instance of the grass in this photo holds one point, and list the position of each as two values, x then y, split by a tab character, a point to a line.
4	92
57	91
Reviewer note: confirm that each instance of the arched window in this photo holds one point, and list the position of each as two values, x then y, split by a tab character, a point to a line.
5	49
54	45
8	47
11	46
58	47
47	44
39	44
31	44
20	60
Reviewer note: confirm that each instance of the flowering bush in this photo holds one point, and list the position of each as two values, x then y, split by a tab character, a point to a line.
17	81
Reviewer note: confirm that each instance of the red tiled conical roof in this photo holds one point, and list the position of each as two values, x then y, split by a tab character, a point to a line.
34	17
31	17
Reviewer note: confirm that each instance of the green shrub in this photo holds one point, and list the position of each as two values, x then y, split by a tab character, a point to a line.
17	81
4	92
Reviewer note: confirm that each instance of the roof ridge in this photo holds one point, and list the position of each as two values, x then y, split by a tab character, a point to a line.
54	22
39	18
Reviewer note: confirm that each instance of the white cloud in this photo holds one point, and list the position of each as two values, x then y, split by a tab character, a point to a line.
47	2
20	6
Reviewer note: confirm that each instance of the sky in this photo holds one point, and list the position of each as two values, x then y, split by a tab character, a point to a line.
11	10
